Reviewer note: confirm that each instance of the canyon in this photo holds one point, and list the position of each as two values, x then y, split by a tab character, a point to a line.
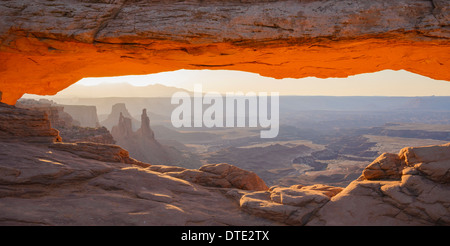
53	172
56	183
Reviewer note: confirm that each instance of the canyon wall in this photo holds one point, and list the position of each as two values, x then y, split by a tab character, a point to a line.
69	129
86	115
45	46
25	125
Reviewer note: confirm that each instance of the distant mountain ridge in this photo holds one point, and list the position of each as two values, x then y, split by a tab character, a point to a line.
118	90
364	103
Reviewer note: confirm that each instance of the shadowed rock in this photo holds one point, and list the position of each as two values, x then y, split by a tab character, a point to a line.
26	125
417	192
219	175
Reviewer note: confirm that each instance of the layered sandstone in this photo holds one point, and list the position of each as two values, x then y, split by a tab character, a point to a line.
118	110
86	134
48	186
20	124
417	192
293	205
46	46
97	151
48	183
57	116
216	175
141	143
84	114
70	129
409	188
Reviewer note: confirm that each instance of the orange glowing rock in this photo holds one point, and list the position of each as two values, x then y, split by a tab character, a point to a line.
53	45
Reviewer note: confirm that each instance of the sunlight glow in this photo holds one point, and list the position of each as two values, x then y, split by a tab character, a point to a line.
383	83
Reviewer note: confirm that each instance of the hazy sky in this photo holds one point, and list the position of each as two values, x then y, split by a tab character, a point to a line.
384	83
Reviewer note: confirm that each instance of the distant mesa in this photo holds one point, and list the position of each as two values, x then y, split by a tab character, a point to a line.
56	113
74	123
106	90
82	115
85	115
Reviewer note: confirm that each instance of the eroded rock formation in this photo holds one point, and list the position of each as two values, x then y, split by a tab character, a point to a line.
143	146
216	175
70	129
19	124
84	114
142	143
50	183
117	111
76	134
409	188
56	115
419	195
48	186
145	130
100	152
45	45
293	205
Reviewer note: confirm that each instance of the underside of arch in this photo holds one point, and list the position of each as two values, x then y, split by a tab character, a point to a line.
47	46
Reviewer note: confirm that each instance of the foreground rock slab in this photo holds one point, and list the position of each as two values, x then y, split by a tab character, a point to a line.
48	186
417	194
289	205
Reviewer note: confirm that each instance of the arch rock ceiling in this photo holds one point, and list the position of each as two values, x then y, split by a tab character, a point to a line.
46	46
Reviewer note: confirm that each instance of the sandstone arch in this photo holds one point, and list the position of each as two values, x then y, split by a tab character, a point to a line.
48	45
